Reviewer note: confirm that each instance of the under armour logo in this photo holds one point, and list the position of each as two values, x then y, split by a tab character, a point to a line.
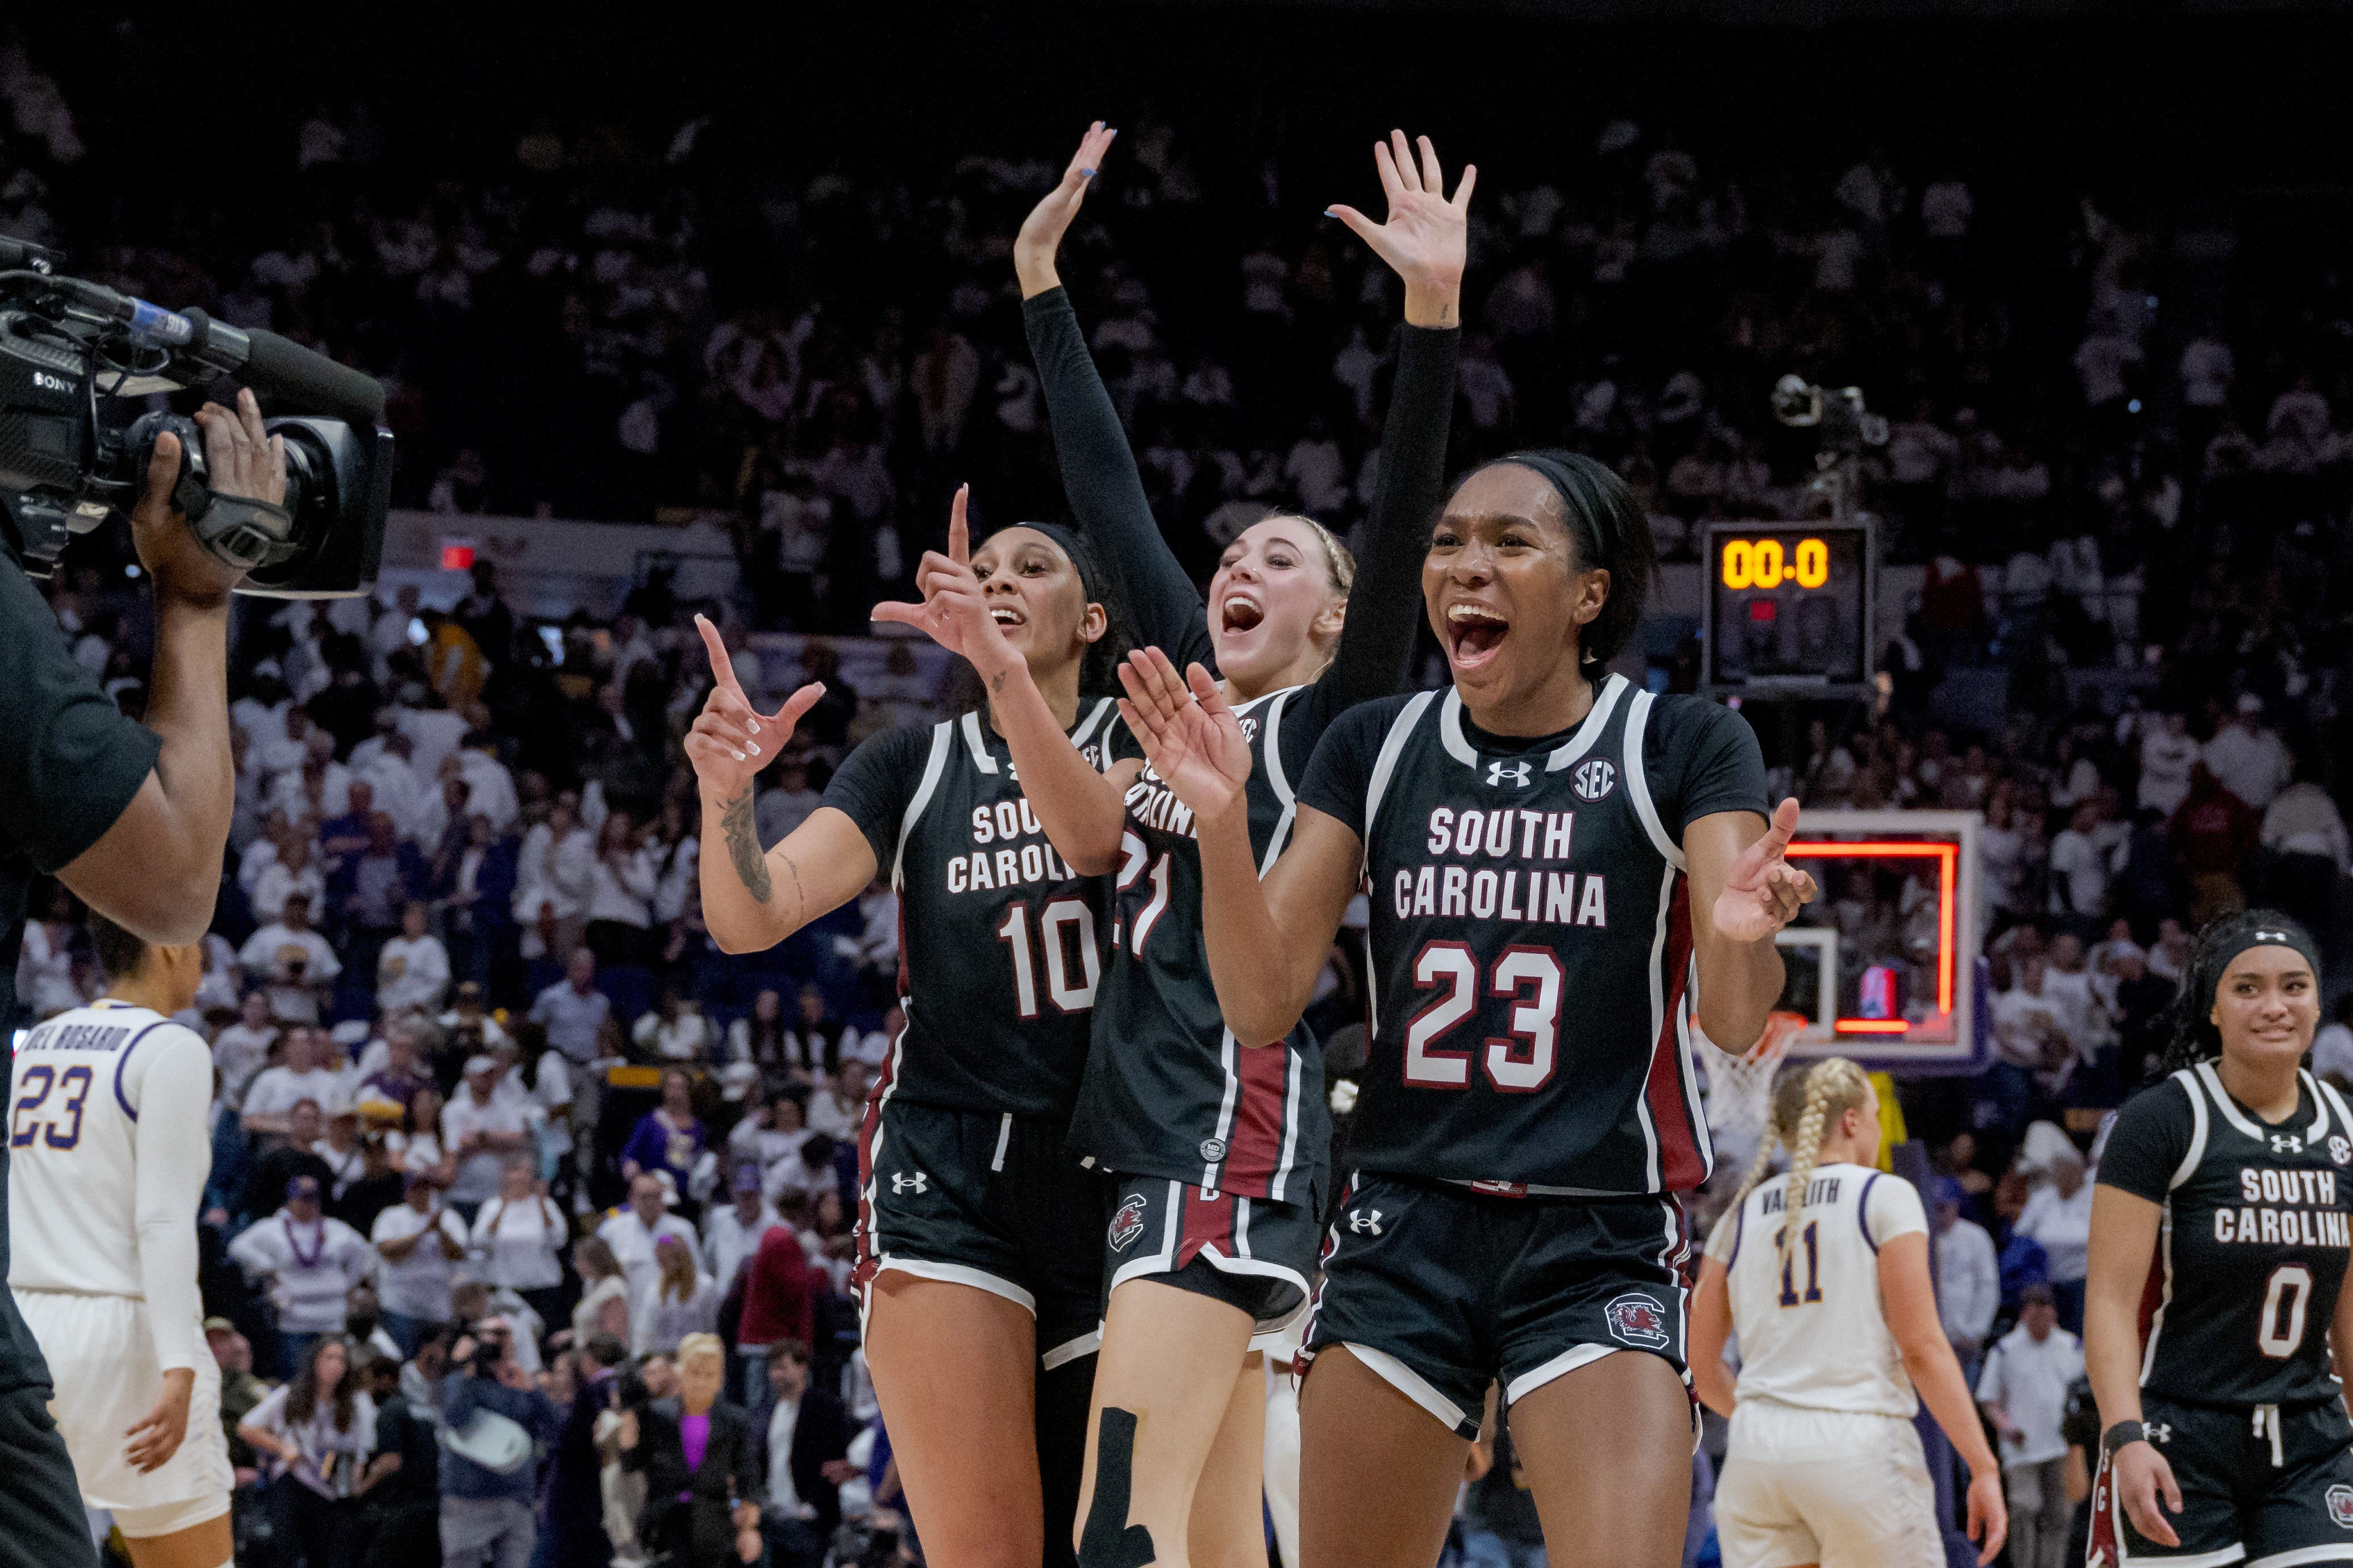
2271	936
1517	773
1362	1220
902	1182
2286	1143
2158	1432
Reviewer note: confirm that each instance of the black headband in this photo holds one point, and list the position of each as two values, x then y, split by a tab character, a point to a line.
1066	540
2264	928
1579	501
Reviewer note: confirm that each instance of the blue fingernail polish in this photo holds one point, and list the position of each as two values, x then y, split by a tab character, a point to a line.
1086	174
1329	213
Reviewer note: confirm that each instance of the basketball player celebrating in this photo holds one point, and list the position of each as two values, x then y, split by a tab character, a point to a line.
2216	1328
981	1299
109	1147
1220	1152
1837	1319
1535	840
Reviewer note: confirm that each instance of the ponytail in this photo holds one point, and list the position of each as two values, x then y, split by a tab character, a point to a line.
1805	1102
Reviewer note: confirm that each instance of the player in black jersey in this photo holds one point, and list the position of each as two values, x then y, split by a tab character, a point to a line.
1221	1151
2216	1326
980	1300
1534	841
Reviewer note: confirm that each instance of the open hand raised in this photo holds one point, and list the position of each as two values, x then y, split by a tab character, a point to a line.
1425	240
1042	230
1189	736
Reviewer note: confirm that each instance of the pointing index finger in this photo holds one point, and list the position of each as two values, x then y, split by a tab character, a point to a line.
723	667
959	532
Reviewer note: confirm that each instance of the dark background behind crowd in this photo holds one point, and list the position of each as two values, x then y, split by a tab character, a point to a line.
472	1034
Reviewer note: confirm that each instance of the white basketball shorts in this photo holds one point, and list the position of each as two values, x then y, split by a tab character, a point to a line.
102	1362
1821	1486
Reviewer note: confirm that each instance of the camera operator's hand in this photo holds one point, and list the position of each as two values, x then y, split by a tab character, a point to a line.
242	460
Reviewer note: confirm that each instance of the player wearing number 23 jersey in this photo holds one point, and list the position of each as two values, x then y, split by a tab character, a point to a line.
1530	1102
962	1168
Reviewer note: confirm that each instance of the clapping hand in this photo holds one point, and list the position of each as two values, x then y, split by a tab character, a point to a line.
1189	736
1042	230
1425	240
1763	892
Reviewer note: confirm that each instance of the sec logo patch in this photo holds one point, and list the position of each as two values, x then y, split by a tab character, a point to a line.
1593	780
2340	1151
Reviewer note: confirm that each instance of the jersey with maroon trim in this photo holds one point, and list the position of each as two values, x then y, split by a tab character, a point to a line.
1168	1090
1531	946
2253	1245
999	949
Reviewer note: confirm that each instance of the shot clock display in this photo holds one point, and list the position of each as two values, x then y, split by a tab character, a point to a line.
1788	605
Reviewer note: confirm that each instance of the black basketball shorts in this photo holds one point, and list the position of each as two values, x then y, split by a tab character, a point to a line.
989	1200
1441	1290
1250	1253
2251	1491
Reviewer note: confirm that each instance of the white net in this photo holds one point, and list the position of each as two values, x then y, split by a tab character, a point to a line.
1740	1088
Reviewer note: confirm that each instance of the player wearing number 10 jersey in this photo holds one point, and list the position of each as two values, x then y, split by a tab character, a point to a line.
2215	1328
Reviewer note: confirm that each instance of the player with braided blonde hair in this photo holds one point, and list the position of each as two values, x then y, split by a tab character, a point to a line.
1837	1320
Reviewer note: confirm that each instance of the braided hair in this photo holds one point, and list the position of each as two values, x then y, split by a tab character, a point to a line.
2191	1037
1805	1102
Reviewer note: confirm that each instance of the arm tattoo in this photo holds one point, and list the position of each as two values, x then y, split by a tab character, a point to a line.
744	845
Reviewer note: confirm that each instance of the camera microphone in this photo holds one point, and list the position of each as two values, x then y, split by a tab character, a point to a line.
281	367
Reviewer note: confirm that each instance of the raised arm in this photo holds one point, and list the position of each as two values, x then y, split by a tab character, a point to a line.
1083	810
753	900
1424	242
1099	472
1267	939
1739	875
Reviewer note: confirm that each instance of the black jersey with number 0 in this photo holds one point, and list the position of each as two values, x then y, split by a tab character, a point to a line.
1531	938
998	942
2251	1250
1172	1093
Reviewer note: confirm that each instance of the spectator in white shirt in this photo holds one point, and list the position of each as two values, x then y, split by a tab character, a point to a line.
241	1049
631	1233
771	1133
311	1262
787	800
480	1131
553	874
2023	1390
837	1108
1969	1276
295	960
676	1030
466	1009
421	1245
621	885
520	1235
2247	758
413	971
2058	1218
299	1075
685	1298
732	1235
2167	754
807	1172
44	985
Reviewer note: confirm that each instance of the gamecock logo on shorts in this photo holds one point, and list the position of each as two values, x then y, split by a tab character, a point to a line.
2340	1507
1127	1224
1637	1321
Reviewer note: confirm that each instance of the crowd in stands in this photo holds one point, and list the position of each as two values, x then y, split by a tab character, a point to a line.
500	1129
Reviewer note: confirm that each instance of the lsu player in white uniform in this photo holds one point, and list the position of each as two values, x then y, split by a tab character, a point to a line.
1836	1323
108	1149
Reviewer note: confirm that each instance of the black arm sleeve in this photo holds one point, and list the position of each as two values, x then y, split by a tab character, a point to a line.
2148	1142
72	761
1342	769
1703	758
874	783
1384	608
1106	494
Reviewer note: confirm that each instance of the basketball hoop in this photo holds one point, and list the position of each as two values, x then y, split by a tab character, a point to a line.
1740	1088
